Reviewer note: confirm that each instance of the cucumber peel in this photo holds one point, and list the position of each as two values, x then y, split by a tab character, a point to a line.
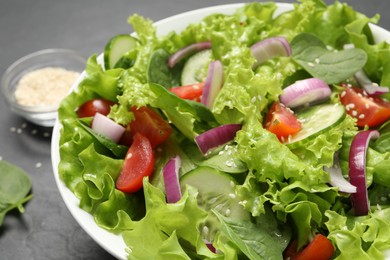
116	49
315	120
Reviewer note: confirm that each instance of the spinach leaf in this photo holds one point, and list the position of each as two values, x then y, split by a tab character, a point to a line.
15	184
254	241
332	67
160	73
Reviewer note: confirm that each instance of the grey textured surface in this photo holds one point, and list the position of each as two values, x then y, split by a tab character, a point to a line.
47	230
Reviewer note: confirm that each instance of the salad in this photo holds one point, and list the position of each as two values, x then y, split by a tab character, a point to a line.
245	136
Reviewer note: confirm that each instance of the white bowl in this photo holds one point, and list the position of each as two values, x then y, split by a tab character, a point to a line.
114	244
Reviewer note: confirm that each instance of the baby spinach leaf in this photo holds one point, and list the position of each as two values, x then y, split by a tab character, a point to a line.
160	73
331	66
15	184
254	242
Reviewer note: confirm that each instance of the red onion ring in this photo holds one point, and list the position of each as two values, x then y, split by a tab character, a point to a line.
171	179
213	83
357	170
270	48
187	51
216	137
305	91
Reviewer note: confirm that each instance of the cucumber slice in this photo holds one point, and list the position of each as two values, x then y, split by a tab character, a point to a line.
116	48
315	120
216	191
195	68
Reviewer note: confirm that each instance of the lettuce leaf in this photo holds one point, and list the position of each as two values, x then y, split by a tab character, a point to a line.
164	224
363	237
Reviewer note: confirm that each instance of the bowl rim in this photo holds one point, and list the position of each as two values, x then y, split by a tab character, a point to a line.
101	236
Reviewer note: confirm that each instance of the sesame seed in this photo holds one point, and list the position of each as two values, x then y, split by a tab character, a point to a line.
205	230
13	129
38	165
343	93
243	203
253	100
367	105
19	131
196	86
361	116
232	195
350	106
232	184
229	163
311	64
227	212
354	113
317	60
129	155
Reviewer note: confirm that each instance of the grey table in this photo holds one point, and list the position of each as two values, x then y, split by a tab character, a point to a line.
47	230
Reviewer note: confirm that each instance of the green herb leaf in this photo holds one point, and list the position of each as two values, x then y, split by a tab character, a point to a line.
331	66
160	73
15	184
253	241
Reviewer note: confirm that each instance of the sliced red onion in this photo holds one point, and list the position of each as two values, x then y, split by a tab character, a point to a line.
305	91
171	179
213	83
270	48
106	127
187	51
370	87
337	180
357	170
216	137
211	247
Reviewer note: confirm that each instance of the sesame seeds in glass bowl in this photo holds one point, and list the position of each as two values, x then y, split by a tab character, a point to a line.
34	85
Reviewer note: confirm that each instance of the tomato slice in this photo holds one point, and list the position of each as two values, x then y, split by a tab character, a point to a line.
320	248
91	107
150	124
281	121
190	92
368	110
139	162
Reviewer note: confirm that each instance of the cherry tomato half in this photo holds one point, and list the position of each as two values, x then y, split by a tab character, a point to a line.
91	107
150	124
281	121
320	248
138	163
190	92
368	110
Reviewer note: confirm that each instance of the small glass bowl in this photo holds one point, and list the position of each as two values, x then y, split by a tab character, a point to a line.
60	58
